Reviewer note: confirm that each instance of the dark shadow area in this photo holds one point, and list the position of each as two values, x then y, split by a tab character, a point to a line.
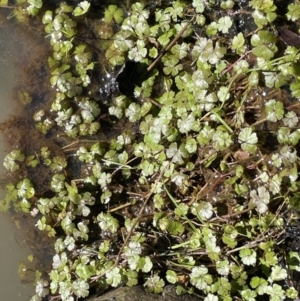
131	75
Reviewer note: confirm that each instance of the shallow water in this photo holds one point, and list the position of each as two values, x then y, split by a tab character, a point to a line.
12	48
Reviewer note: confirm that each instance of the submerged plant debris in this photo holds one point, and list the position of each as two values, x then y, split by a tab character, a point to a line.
187	174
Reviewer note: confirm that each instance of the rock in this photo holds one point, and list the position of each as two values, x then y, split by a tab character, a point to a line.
137	293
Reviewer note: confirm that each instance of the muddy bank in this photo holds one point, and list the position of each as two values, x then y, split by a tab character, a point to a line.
21	70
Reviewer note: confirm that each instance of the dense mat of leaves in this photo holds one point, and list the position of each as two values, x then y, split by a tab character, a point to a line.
200	184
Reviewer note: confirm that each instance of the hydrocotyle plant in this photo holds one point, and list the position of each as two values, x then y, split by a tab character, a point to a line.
196	183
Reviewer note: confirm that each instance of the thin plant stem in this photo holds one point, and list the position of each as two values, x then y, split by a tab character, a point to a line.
171	44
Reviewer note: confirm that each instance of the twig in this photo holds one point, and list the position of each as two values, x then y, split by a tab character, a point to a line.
228	216
139	215
251	244
212	184
171	44
232	65
119	207
70	144
153	101
77	141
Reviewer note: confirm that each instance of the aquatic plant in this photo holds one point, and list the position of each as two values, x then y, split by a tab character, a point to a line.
190	191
